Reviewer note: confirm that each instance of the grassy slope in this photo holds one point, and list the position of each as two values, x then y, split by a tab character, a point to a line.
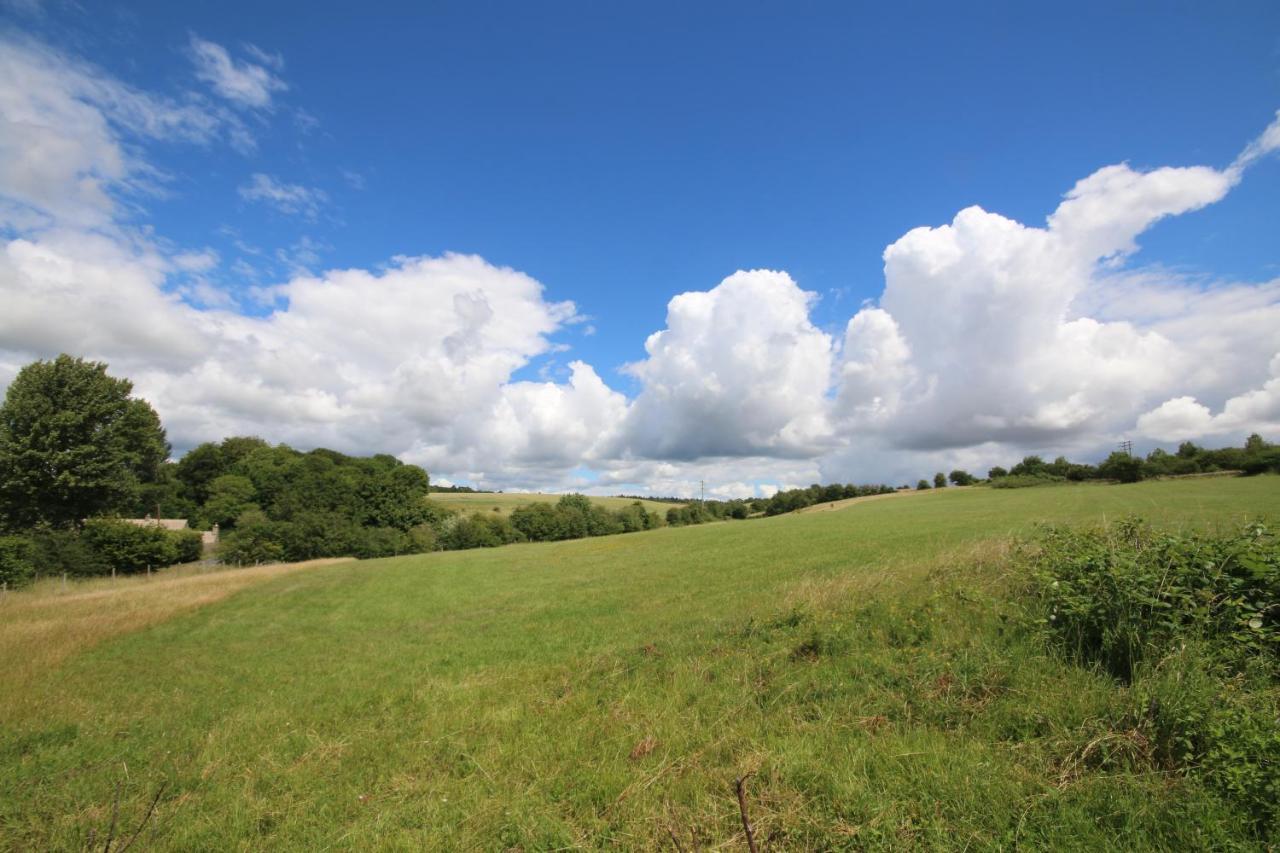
597	693
472	502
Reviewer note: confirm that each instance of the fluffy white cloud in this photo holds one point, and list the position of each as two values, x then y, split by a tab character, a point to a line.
241	82
1255	410
983	331
284	197
740	370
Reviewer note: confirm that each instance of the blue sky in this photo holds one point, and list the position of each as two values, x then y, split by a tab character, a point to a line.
624	154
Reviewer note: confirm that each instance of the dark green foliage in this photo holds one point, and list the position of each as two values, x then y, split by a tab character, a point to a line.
306	505
165	497
73	444
1256	457
1192	622
130	548
576	516
1023	481
256	539
939	480
1122	468
229	496
383	542
188	545
1263	461
479	531
922	485
104	545
1119	595
961	478
793	499
17	565
538	522
1030	465
64	551
423	538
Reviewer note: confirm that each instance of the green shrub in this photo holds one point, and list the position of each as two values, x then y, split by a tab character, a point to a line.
1222	730
1116	595
62	550
1024	481
130	548
382	542
188	545
17	565
423	538
255	540
479	531
1192	623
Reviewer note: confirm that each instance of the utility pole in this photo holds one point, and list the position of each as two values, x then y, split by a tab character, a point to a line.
1127	447
702	486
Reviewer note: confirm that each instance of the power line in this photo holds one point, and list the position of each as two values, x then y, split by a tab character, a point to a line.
1127	447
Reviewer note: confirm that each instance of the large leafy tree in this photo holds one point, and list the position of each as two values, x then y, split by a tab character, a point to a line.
74	444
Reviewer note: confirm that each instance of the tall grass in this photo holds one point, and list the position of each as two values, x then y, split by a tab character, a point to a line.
43	625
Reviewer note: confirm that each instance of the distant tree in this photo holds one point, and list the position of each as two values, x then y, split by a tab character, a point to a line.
198	468
229	497
1059	467
1254	444
996	473
1122	467
1030	466
74	444
959	477
1189	450
254	540
922	485
939	480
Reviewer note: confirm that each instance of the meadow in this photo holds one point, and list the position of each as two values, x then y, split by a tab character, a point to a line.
505	502
865	669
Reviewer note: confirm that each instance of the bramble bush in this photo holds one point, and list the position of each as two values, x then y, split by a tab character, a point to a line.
1117	595
1191	623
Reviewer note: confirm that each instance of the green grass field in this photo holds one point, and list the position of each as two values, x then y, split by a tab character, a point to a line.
605	693
472	502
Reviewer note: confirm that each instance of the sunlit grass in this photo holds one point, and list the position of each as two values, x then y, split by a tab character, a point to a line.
863	663
54	618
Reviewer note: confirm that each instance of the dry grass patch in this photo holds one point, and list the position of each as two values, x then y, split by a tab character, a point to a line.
42	626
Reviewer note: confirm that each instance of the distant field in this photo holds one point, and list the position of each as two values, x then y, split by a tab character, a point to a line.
504	503
605	693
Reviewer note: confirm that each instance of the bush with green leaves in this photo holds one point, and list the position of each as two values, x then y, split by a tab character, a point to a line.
17	566
1025	481
130	548
478	531
188	545
1191	623
1117	595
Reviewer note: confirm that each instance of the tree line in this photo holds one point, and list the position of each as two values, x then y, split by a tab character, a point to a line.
1256	456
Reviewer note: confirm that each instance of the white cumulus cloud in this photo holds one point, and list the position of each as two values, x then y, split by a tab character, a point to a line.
739	370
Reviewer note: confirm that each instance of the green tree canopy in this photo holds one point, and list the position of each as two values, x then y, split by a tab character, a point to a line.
74	444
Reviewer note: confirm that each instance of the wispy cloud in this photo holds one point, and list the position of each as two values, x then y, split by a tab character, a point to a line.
293	199
239	81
